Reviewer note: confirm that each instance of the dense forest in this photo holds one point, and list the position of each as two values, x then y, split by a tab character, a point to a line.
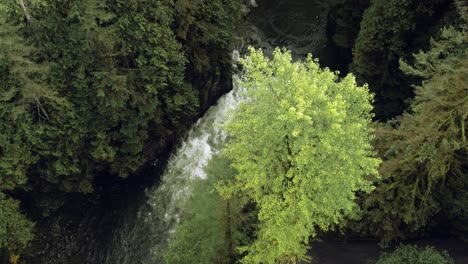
373	145
92	88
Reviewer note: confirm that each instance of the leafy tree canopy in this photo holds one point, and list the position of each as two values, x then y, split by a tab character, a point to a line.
15	228
301	143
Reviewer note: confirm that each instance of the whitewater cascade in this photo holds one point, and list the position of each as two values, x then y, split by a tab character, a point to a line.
144	238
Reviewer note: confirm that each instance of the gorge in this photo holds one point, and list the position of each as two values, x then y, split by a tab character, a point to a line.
131	97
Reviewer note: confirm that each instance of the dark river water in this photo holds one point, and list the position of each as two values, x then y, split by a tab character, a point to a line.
363	252
299	26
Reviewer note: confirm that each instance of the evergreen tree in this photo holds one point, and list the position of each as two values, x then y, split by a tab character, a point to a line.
208	31
211	227
301	145
204	25
90	88
425	150
21	91
387	33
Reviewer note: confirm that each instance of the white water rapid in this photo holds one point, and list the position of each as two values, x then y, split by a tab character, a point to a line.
144	237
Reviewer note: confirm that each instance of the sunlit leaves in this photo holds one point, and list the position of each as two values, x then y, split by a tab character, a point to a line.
301	144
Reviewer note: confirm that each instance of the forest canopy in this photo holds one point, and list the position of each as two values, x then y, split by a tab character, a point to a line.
425	150
94	89
92	92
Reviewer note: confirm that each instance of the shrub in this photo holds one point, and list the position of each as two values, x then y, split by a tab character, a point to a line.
410	254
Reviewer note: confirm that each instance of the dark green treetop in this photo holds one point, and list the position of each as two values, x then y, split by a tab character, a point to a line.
425	150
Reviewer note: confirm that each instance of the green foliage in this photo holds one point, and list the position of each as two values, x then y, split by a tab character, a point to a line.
91	87
117	62
205	28
210	230
387	33
208	30
301	145
413	255
153	64
19	95
15	228
425	150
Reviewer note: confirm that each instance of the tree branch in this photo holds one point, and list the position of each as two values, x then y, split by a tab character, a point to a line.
41	111
25	11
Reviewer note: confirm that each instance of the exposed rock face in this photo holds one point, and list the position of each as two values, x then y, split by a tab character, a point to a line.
297	25
252	3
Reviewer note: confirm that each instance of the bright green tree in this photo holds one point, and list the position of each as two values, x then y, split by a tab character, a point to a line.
301	144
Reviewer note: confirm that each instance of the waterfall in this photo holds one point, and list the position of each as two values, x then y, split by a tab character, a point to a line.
143	238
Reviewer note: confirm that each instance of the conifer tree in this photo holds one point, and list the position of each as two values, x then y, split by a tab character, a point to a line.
21	92
91	88
211	226
388	31
425	150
